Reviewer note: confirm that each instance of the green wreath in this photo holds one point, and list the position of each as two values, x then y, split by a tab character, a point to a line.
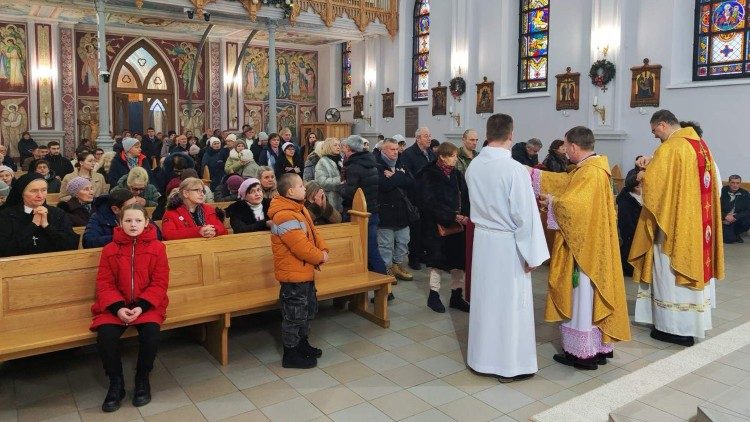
457	86
601	73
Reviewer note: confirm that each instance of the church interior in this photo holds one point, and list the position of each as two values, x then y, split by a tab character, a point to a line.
94	69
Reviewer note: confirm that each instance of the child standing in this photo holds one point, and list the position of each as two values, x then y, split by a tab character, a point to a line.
131	289
298	250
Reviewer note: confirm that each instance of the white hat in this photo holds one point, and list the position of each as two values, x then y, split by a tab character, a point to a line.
246	155
231	137
287	145
398	137
214	139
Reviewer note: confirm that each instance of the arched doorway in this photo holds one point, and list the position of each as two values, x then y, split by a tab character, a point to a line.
143	91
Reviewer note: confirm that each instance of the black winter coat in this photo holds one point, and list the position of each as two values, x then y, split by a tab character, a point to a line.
242	219
443	198
519	153
414	160
25	146
19	236
77	213
391	194
60	165
628	212
741	204
212	159
361	172
283	167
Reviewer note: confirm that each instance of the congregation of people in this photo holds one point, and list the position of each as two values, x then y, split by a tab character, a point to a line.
477	217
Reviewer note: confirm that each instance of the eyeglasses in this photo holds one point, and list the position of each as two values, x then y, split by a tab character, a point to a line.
132	189
196	190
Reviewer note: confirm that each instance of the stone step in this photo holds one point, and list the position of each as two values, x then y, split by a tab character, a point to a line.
710	412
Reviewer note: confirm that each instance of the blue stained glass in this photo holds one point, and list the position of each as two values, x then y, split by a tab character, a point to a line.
722	40
533	45
538	20
420	50
423	25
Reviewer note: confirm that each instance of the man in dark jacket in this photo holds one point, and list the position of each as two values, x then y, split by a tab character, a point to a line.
415	158
393	230
361	173
149	145
527	153
57	163
5	159
735	210
103	221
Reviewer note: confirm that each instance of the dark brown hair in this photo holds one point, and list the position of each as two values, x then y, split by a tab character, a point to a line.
581	136
499	127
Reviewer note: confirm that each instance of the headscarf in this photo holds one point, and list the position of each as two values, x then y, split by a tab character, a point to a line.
16	193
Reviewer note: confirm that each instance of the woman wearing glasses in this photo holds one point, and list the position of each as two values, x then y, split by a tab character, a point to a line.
188	216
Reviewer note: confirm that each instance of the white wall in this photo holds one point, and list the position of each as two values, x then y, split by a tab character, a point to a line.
658	29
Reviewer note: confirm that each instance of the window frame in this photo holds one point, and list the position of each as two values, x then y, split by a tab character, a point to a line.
346	53
416	93
521	34
744	61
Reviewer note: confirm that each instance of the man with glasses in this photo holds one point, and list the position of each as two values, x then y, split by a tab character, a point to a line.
468	151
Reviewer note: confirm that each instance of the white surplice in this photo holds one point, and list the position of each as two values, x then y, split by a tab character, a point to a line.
508	234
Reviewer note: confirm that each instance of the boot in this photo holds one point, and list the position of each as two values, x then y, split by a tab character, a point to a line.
414	263
571	360
434	303
392	272
686	341
307	349
457	300
294	358
401	273
115	394
142	393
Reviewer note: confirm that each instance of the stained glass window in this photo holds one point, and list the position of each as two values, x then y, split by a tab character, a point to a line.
722	40
421	51
346	74
533	45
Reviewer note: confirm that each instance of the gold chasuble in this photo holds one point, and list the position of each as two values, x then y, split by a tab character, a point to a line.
681	198
583	207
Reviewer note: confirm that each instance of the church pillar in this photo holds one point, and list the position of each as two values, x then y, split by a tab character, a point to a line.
271	124
605	44
104	140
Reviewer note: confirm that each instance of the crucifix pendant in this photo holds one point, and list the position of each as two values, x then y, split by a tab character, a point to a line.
34	238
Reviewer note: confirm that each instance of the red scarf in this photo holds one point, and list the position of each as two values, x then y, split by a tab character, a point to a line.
444	167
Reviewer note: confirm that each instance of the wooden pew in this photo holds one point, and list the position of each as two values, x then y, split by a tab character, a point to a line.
53	198
44	308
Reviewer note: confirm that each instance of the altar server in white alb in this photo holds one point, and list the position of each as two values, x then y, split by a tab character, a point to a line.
508	244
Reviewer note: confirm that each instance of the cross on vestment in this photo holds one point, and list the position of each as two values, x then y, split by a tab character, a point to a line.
34	238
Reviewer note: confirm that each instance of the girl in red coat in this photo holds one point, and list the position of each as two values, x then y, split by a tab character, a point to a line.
187	215
131	289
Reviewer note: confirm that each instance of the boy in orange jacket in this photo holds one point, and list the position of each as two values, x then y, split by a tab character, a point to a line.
298	250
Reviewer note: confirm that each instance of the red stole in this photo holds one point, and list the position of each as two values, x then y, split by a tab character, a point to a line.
706	181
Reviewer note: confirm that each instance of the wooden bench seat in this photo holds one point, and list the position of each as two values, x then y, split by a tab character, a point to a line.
211	280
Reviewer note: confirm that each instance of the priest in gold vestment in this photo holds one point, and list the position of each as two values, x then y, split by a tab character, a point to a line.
586	287
678	252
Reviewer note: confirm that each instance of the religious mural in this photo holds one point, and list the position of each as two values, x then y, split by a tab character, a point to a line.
286	116
14	120
308	114
13	58
87	59
254	117
296	75
88	119
182	56
194	121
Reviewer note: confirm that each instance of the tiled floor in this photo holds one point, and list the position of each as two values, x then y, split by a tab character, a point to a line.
414	371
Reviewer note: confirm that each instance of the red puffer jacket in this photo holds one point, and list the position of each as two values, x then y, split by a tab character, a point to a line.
132	269
178	223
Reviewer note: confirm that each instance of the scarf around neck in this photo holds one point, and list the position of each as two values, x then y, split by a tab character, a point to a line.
445	168
390	163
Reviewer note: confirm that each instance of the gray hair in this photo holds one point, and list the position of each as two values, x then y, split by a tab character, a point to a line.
263	169
355	143
534	142
421	131
389	141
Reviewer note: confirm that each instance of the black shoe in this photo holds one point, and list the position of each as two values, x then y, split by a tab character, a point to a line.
672	338
115	394
390	298
576	362
308	350
601	359
434	303
740	240
457	300
294	358
415	265
142	393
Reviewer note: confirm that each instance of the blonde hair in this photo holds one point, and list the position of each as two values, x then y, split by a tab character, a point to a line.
285	130
327	146
137	175
318	149
106	161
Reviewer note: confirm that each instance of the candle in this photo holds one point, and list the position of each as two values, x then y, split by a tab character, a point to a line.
450	109
46	110
596	100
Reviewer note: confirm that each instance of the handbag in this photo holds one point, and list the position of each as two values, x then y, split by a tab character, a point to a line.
412	211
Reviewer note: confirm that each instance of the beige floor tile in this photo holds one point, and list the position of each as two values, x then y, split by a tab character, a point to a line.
32	386
270	393
277	368
334	399
566	376
587	386
437	392
391	340
401	405
470	409
736	399
360	412
373	387
311	382
226	406
349	371
642	412
469	382
442	344
420	333
251	377
445	326
525	413
432	415
47	408
299	409
189	374
504	398
210	388
737	359
408	376
703	388
441	366
252	416
725	374
672	401
188	413
332	357
559	397
537	387
361	348
383	361
163	401
126	413
415	352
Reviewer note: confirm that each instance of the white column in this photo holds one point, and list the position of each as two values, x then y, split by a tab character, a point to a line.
459	60
606	29
271	124
104	140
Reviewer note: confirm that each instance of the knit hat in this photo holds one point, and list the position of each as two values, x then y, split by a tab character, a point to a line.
240	142
77	184
246	186
128	143
262	136
189	173
16	194
246	155
214	139
174	183
4	189
194	150
8	169
287	145
234	182
231	137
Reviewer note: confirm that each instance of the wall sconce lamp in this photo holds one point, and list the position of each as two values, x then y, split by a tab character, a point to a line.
456	116
601	111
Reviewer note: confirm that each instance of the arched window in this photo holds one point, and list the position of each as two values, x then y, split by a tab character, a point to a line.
722	40
346	74
421	51
533	42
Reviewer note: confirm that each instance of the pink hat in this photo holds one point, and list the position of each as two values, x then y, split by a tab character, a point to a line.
245	186
76	184
234	182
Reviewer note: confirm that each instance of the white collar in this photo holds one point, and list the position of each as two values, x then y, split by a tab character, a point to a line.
27	210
